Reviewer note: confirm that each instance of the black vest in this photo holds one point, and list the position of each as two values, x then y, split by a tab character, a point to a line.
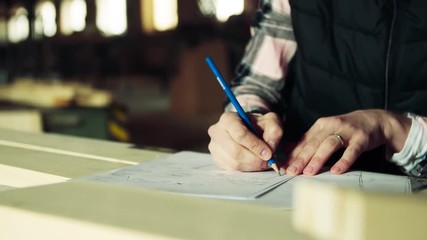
356	54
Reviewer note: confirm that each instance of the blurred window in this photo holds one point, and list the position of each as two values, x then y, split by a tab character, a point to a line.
3	29
159	15
73	16
111	17
165	14
221	9
3	23
18	27
45	19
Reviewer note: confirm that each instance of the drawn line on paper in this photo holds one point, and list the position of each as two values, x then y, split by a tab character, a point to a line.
361	181
268	189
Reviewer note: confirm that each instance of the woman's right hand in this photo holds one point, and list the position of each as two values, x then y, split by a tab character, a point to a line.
234	147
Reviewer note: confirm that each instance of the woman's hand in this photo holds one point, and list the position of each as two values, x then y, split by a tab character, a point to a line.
357	132
234	147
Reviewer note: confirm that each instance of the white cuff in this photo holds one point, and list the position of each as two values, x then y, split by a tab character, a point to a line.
415	147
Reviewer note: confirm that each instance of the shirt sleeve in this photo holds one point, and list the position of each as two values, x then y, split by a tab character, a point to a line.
260	76
413	157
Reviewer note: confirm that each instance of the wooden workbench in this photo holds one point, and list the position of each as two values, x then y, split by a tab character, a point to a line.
38	200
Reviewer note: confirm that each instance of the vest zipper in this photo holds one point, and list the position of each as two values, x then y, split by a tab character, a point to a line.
390	40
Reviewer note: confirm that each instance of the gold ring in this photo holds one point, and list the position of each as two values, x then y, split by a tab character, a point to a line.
339	138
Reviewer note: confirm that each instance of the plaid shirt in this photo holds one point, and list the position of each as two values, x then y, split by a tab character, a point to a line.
261	75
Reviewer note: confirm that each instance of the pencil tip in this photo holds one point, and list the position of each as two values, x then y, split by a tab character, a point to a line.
276	169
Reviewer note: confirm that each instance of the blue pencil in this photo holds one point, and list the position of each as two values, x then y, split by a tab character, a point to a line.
236	105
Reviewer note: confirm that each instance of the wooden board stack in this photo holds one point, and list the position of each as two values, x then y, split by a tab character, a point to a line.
326	211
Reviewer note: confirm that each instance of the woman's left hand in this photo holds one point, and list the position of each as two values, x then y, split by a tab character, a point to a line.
357	132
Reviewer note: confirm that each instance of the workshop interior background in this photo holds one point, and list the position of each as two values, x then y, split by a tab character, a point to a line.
122	70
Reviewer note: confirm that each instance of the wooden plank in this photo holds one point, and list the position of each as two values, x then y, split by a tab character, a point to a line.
326	211
19	177
101	148
53	163
150	212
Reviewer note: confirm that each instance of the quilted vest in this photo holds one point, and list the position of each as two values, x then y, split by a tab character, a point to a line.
356	54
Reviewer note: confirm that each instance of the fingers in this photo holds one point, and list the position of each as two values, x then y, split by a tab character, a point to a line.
315	148
272	129
227	162
251	142
358	131
312	155
330	145
349	157
314	136
234	147
229	155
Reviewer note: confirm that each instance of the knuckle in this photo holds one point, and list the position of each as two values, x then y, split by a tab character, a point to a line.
222	118
351	126
240	134
300	163
362	135
273	116
361	132
355	151
276	132
237	154
332	141
238	166
313	144
320	122
211	130
211	147
337	120
326	121
225	117
255	145
270	115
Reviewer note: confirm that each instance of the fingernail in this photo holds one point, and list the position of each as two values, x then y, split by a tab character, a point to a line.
291	170
308	170
335	169
264	154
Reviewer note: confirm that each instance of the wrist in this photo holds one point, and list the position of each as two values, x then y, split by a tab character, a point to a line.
396	131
